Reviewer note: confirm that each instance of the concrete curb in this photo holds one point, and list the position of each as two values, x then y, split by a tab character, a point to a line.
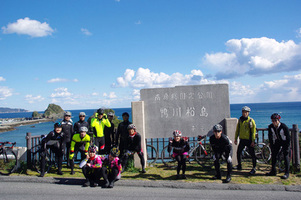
157	184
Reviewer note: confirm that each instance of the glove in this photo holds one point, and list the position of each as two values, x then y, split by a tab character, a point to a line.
71	156
104	116
128	153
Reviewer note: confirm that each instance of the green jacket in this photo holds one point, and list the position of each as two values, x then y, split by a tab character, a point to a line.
245	128
77	139
99	125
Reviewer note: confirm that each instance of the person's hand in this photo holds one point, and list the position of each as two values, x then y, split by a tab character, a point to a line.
87	157
89	164
252	144
235	142
170	140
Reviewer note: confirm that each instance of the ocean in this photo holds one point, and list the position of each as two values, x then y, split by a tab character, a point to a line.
260	112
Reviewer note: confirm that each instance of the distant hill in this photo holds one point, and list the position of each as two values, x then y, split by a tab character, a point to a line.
12	110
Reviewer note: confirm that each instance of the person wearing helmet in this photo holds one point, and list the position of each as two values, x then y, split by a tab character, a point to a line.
246	131
180	148
279	136
67	125
122	133
81	122
109	133
55	141
80	143
221	145
133	145
92	167
98	123
111	168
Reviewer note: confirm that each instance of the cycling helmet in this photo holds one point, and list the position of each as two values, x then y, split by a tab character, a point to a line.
83	129
111	114
276	116
177	133
93	149
58	125
67	113
246	108
217	127
100	111
82	114
125	114
114	152
131	126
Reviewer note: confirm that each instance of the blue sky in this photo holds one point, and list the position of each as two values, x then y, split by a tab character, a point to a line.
100	53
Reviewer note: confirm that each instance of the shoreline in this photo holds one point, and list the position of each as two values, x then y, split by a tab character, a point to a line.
10	126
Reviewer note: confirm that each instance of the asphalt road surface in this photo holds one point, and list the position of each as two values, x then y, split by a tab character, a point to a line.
45	191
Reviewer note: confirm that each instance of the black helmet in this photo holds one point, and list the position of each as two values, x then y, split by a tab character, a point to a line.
58	125
125	114
276	116
217	127
100	111
114	152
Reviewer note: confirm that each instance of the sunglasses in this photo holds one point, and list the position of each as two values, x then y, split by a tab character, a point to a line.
274	120
82	116
67	115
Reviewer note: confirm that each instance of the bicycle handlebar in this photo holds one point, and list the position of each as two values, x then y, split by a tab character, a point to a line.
4	143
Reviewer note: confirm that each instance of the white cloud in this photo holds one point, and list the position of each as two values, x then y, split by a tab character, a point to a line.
33	99
2	79
111	95
144	78
61	93
29	27
85	31
94	94
255	56
5	92
60	80
238	89
138	22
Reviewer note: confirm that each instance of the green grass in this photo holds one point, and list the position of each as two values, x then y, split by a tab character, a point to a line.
194	173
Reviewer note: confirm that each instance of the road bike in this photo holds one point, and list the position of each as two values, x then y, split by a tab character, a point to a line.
198	152
152	154
8	158
36	157
262	153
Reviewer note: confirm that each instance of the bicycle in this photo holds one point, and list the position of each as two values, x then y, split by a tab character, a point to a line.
152	154
36	158
8	158
198	152
262	153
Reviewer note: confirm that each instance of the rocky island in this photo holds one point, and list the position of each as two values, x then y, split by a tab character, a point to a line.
52	113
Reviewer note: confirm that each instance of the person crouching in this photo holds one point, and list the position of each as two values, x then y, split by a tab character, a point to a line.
111	168
91	167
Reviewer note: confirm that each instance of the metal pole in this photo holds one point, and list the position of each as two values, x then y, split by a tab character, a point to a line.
296	149
28	144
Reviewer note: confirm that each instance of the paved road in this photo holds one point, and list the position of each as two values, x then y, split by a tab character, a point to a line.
45	191
28	187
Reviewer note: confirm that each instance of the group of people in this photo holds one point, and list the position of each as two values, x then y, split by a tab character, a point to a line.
103	152
278	134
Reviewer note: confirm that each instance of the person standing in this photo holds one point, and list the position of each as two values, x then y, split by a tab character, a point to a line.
109	134
81	122
279	136
221	144
67	126
55	141
246	131
98	123
180	148
133	146
123	133
80	143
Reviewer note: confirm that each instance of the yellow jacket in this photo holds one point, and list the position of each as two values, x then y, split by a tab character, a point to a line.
99	125
245	129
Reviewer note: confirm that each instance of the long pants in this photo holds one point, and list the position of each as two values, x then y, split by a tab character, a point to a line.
275	150
109	175
82	156
58	158
241	146
92	174
229	161
100	143
181	159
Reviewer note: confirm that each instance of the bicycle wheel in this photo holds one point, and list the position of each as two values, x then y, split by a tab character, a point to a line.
191	152
36	159
8	162
266	153
203	156
281	162
167	158
152	154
